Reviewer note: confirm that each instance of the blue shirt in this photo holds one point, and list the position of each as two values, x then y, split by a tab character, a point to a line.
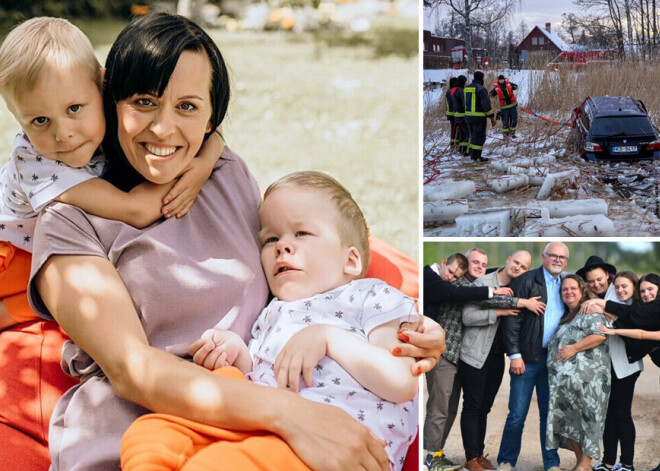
554	307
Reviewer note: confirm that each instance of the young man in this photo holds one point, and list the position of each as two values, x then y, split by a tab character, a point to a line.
481	364
445	291
477	263
526	342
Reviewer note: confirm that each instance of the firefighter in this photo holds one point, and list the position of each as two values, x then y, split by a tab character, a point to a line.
449	108
503	89
462	130
477	111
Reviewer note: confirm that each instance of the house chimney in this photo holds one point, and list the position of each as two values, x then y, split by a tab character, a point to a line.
547	27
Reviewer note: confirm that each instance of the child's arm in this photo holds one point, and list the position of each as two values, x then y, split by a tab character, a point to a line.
139	207
143	205
220	347
633	333
370	363
178	201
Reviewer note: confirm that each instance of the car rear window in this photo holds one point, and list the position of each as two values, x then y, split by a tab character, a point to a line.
622	126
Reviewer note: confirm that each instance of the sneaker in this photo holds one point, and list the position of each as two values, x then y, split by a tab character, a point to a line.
473	465
428	460
442	463
600	466
485	463
481	159
622	467
513	136
504	467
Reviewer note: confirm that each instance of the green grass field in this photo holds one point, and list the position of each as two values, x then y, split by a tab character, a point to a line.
304	102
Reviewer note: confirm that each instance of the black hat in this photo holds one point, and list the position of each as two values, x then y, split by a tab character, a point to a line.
479	76
501	77
452	82
460	82
595	262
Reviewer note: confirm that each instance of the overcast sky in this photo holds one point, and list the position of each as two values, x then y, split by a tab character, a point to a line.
533	12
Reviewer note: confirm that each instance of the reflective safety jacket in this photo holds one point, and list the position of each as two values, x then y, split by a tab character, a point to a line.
506	96
477	103
449	105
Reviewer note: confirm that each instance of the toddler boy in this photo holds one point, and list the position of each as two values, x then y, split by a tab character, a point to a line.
326	324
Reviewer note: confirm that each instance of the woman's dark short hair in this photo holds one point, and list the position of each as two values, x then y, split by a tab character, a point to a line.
142	60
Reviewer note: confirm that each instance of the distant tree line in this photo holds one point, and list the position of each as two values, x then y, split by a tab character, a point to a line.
629	26
12	11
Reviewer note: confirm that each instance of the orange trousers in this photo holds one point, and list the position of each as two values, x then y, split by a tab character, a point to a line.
14	276
31	379
159	442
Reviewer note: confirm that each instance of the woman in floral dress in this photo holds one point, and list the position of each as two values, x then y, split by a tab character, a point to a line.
579	375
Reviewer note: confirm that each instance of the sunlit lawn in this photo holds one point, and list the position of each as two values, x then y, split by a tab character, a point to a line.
299	104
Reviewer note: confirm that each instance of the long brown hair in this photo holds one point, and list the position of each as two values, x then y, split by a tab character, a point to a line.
586	294
634	279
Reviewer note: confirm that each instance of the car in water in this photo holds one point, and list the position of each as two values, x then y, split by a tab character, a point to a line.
613	128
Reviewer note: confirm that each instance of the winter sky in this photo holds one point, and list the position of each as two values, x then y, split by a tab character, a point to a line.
532	12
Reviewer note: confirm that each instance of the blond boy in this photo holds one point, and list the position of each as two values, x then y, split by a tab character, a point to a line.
326	324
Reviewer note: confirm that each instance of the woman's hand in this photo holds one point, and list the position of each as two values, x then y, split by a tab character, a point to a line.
424	341
593	306
327	439
606	330
300	356
566	353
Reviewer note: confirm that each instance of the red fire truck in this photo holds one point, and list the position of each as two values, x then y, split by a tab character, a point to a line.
459	57
580	60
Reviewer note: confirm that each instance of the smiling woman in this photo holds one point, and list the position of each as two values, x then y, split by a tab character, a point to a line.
161	135
133	299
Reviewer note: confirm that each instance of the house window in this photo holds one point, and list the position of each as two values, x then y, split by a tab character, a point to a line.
535	41
540	41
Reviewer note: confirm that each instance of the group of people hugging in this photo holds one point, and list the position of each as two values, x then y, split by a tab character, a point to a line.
577	339
137	252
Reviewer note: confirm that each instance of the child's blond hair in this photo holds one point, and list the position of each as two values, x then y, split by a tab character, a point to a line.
39	45
352	226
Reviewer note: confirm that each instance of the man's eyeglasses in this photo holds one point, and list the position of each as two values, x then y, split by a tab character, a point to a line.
554	256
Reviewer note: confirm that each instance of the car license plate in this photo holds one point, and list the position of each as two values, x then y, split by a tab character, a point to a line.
625	149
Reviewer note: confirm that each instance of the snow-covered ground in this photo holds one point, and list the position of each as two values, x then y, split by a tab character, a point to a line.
533	186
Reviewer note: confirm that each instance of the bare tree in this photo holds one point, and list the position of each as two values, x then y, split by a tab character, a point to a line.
476	14
612	9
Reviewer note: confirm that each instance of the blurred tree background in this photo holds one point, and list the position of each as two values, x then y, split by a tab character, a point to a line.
640	257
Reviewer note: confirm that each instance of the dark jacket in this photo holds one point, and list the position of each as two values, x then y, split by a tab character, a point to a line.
478	108
437	291
449	105
458	100
524	333
637	316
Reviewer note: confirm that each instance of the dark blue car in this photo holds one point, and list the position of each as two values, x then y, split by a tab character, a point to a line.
614	128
